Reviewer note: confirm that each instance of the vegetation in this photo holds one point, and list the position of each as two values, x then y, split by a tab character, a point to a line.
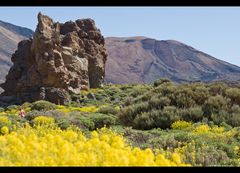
167	102
159	124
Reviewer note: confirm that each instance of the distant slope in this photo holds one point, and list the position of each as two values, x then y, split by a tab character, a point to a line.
10	35
141	59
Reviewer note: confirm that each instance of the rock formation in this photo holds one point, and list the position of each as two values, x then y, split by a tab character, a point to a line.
59	60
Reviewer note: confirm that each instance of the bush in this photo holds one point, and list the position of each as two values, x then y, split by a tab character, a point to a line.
196	102
217	89
200	94
181	125
43	105
102	120
63	123
26	105
166	117
4	121
234	95
156	102
44	121
194	114
214	104
1	109
4	130
219	118
182	97
83	122
108	110
234	119
143	121
33	114
12	107
160	81
138	90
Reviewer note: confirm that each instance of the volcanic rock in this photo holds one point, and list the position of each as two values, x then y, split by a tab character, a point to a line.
61	59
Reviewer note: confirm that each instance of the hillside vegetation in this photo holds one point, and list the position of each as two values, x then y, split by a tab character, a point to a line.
160	124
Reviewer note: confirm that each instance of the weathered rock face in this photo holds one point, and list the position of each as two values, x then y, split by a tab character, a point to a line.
61	59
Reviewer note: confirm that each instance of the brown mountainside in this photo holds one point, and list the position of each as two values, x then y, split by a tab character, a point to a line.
141	59
10	36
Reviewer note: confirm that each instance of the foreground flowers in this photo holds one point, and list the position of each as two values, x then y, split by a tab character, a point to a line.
48	146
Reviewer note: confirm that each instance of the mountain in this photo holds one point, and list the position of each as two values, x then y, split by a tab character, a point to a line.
137	59
10	35
142	59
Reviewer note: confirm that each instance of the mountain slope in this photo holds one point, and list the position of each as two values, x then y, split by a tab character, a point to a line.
10	35
141	59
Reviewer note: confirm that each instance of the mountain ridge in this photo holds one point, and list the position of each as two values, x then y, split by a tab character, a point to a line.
170	58
137	59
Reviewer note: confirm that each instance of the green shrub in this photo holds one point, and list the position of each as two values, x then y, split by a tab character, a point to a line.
101	120
161	81
234	119
32	114
63	123
220	117
83	122
166	117
182	98
159	103
143	121
234	95
165	142
26	105
200	94
1	109
12	107
108	110
43	105
139	90
127	115
214	104
194	114
217	89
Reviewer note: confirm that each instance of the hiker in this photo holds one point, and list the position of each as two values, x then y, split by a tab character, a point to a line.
22	112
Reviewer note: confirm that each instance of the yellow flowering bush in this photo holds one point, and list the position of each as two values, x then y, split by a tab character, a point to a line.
43	121
217	129
181	125
204	128
85	109
81	109
54	147
4	121
4	130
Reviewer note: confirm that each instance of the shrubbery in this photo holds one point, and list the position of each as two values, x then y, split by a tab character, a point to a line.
108	110
168	102
43	105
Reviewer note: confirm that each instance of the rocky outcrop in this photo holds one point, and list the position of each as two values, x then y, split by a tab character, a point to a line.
61	59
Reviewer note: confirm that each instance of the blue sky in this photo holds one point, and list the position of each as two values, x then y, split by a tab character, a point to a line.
213	30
